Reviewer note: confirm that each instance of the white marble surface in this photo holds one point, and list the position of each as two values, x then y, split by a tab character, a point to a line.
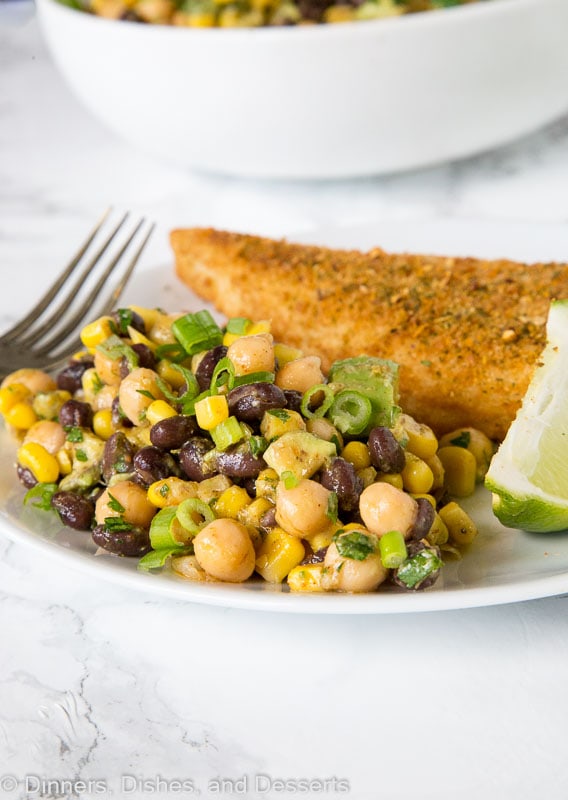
100	683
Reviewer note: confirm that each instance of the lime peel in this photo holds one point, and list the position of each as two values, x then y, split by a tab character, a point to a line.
528	475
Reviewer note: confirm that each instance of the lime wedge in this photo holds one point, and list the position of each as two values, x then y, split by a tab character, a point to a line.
528	475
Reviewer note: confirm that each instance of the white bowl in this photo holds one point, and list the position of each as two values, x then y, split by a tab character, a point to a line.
324	101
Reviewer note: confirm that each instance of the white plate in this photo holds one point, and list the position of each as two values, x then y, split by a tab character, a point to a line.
502	566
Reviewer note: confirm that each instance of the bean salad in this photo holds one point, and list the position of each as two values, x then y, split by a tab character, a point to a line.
217	454
255	13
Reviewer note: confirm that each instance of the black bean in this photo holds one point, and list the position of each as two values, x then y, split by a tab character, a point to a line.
206	366
152	464
192	458
118	415
424	518
26	476
132	542
75	510
239	462
340	477
146	359
387	455
124	318
315	558
293	399
413	548
172	432
70	376
118	455
268	519
249	402
75	414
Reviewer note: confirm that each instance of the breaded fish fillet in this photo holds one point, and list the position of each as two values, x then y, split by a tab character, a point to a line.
466	332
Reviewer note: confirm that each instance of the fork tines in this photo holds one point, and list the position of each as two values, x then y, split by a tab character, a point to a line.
89	286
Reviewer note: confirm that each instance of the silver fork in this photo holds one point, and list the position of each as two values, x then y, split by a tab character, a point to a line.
49	333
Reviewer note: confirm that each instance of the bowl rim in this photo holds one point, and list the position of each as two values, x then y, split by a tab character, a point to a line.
406	22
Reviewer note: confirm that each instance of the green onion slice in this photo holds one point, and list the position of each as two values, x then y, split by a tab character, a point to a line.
227	433
223	375
185	401
289	479
194	514
173	352
156	559
324	406
350	412
197	332
253	377
238	325
393	549
164	533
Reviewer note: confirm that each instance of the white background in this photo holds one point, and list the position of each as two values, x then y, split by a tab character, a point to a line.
99	682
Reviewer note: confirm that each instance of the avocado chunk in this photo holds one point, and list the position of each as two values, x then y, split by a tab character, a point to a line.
299	452
374	378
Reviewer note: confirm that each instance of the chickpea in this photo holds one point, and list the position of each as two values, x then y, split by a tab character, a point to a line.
108	369
34	379
323	429
343	574
48	433
252	354
300	374
385	508
137	391
225	551
302	510
130	496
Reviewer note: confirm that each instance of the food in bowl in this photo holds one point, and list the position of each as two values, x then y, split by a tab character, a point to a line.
222	454
255	13
466	332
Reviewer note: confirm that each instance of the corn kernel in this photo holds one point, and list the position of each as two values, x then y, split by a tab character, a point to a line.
96	332
422	440
204	19
21	416
477	443
231	502
460	469
461	528
103	425
357	453
394	478
65	460
339	13
171	491
306	578
136	337
278	554
324	538
262	326
438	533
167	371
12	394
43	466
417	477
159	410
284	353
437	471
211	411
